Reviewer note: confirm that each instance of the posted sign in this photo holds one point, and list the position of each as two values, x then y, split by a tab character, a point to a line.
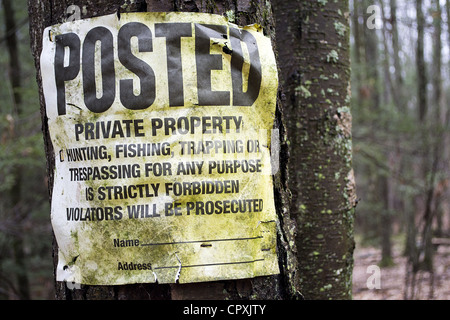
161	125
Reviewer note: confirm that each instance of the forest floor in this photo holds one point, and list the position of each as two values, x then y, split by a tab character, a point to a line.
392	278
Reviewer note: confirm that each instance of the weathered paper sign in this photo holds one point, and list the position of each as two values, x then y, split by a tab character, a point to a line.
161	125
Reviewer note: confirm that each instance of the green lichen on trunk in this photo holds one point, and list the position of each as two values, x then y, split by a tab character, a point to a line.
313	44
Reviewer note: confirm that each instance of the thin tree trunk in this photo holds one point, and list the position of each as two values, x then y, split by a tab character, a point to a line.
420	63
424	202
358	48
436	140
399	96
283	286
388	89
385	181
410	249
437	63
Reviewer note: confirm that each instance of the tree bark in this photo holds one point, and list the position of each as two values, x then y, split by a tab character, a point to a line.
283	286
313	45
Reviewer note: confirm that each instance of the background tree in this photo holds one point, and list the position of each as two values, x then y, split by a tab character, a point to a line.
401	135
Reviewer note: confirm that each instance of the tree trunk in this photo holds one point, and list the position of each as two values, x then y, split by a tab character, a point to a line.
358	49
399	97
379	196
411	248
283	286
437	139
385	182
420	63
313	45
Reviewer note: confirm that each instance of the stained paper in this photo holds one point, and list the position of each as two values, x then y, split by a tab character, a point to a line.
161	124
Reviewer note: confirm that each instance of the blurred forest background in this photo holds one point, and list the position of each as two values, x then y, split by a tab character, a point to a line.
400	98
401	138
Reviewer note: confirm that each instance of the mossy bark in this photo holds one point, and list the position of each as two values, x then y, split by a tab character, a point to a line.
313	47
283	286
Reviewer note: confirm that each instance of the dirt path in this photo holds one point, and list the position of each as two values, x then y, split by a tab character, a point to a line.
392	279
